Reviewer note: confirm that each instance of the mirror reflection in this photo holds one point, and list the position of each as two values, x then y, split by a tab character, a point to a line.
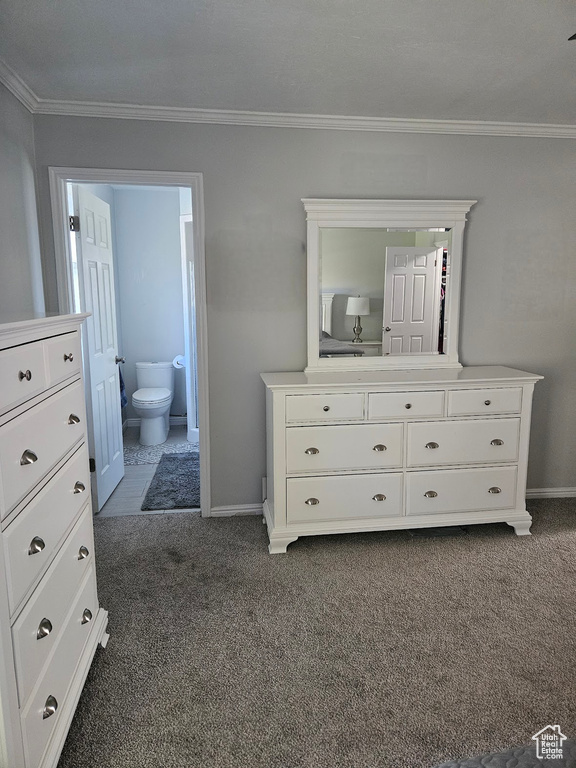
383	291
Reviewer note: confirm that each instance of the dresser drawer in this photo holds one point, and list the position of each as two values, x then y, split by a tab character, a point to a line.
324	407
44	522
63	357
22	374
359	446
57	676
402	405
469	402
48	607
463	442
33	443
313	499
460	490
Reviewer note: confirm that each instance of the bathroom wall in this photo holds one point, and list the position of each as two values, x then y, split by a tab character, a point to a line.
149	287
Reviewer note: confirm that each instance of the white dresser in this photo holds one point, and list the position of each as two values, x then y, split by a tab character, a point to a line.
50	620
382	450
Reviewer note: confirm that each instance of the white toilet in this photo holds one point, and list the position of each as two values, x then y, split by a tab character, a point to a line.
152	401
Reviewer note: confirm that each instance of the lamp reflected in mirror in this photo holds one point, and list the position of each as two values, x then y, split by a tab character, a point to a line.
358	306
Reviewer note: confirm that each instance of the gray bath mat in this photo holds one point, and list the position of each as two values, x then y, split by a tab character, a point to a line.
176	483
151	454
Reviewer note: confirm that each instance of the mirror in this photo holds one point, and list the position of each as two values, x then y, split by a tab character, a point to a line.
384	283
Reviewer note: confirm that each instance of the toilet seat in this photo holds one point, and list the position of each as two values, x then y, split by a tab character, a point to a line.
151	397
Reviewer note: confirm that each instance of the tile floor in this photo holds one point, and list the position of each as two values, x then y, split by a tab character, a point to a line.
129	494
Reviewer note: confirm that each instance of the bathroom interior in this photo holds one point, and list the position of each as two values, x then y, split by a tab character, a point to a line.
149	226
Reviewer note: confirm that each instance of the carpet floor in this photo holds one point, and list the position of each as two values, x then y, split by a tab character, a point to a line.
378	650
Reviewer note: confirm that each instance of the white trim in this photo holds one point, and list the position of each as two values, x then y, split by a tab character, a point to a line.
59	177
26	95
237	510
551	493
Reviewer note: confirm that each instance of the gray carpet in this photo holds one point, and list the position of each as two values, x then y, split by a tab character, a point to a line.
176	483
376	650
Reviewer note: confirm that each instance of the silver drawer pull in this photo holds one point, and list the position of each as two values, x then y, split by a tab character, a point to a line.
86	616
73	419
68	358
494	489
430	494
497	442
79	487
36	545
379	448
408	405
326	408
50	707
432	445
311	451
44	629
83	553
28	457
487	402
24	375
312	502
379	497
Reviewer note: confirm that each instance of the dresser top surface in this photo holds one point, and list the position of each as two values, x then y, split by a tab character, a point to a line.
16	329
486	374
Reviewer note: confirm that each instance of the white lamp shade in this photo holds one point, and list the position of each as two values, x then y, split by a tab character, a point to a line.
358	305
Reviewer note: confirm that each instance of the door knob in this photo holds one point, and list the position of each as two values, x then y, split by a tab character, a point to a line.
119	359
387	328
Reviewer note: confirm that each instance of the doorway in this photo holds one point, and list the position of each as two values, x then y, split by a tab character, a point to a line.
151	294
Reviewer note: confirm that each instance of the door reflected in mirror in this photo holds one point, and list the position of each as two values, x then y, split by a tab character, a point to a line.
383	291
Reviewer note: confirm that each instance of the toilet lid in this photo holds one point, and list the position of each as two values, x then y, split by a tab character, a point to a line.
151	395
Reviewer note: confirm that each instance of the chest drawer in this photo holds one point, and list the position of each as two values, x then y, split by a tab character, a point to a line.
31	444
22	374
39	626
63	356
470	402
460	490
359	446
324	407
476	441
43	523
314	499
402	405
53	686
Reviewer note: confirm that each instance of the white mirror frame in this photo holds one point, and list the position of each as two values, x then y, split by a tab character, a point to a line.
409	214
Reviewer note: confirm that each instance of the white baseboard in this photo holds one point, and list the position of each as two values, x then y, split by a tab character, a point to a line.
175	421
551	493
237	509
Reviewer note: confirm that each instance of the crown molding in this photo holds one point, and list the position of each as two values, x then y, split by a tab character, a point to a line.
275	119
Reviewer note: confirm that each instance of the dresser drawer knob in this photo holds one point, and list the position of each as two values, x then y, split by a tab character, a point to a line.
44	629
312	502
79	487
326	408
379	448
28	457
36	545
86	616
24	375
430	494
83	553
379	497
68	358
497	442
494	489
408	406
50	707
73	419
432	446
311	451
487	402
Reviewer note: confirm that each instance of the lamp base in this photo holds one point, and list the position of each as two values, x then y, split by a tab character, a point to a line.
357	331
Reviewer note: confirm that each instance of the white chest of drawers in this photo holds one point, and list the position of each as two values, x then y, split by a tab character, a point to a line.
401	449
50	619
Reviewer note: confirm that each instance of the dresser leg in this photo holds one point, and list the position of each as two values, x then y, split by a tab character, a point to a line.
279	544
521	527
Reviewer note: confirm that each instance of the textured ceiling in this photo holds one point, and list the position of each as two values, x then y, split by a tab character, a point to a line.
501	60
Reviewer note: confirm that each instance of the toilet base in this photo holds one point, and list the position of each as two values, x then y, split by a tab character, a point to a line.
154	431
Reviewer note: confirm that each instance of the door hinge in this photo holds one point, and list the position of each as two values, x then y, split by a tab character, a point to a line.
74	223
92	463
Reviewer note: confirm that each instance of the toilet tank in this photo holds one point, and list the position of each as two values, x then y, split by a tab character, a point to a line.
155	375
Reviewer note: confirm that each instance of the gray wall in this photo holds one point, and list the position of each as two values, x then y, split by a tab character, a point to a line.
519	289
20	267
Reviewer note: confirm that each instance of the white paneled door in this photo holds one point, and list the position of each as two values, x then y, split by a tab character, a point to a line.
96	278
411	309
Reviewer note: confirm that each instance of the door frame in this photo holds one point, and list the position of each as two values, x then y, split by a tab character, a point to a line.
59	178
